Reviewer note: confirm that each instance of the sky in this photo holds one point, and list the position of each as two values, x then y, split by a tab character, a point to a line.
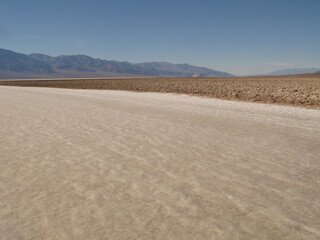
237	36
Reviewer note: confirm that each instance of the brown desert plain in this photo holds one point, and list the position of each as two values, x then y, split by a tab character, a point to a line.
296	90
81	163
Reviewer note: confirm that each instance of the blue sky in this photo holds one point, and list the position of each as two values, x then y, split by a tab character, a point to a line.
237	36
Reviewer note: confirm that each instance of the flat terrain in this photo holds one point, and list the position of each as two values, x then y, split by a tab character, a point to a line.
303	91
63	74
87	164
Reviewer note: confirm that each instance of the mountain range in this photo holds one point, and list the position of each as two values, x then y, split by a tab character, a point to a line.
36	65
292	71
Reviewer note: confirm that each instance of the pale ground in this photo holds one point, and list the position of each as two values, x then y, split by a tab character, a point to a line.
90	164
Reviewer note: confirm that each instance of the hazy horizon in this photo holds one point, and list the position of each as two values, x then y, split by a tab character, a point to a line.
241	38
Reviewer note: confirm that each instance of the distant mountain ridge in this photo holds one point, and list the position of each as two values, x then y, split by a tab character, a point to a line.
291	71
38	63
17	62
187	69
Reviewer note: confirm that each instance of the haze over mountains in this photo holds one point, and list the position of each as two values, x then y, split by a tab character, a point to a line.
290	71
18	65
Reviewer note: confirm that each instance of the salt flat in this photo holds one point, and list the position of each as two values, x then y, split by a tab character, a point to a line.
90	164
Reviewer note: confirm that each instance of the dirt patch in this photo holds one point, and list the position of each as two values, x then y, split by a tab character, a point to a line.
289	90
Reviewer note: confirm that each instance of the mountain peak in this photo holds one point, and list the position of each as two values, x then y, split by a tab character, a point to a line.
18	62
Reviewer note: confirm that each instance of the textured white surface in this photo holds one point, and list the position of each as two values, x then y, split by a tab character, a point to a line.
95	164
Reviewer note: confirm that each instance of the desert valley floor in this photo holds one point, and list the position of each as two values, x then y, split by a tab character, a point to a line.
103	164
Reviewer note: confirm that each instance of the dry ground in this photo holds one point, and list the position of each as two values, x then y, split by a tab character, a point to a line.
118	165
301	91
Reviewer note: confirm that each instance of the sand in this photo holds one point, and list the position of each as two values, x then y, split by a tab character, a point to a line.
296	90
88	164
